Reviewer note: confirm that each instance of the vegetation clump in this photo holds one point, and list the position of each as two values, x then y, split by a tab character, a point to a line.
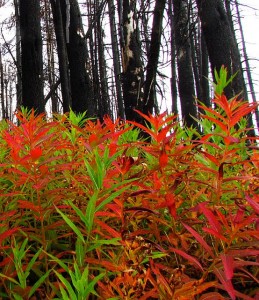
91	211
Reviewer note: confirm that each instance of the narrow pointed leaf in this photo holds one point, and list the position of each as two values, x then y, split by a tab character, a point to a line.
228	263
200	239
71	225
38	283
188	257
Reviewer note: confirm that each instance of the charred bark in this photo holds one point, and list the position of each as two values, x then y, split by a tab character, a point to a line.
132	66
220	43
184	63
153	55
81	85
31	53
62	55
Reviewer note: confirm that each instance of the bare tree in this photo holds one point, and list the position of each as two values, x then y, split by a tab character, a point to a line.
49	28
173	59
103	99
62	55
31	49
81	85
117	65
2	87
221	46
153	56
247	64
184	63
18	53
116	58
132	66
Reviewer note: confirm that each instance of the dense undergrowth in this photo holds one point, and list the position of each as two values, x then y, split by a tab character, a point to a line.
90	211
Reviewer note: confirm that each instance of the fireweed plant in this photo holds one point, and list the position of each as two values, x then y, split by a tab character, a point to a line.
91	211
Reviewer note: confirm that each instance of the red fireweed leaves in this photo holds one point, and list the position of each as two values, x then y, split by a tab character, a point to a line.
163	158
229	140
214	223
172	174
170	204
212	296
220	124
222	101
254	203
210	157
228	263
214	233
107	228
163	134
160	278
29	205
192	288
36	153
93	138
239	217
109	266
6	215
190	258
226	283
5	261
200	239
160	124
13	142
7	234
141	209
124	163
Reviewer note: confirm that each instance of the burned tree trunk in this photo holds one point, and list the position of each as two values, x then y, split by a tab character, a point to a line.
133	74
31	53
184	63
153	55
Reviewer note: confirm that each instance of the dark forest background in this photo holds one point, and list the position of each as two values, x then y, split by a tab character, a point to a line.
110	57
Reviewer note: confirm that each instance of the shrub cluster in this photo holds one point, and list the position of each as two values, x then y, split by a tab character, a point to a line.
89	210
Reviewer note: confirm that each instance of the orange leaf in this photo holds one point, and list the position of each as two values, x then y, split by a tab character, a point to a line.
29	205
212	296
200	239
7	233
188	257
36	153
253	202
163	158
192	288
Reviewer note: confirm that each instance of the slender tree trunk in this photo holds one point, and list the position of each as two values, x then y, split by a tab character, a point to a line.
10	102
104	102
18	54
153	55
81	85
173	80
62	55
195	54
32	64
145	10
246	59
184	62
2	87
50	57
93	12
205	98
238	56
220	43
6	83
133	73
222	46
116	59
